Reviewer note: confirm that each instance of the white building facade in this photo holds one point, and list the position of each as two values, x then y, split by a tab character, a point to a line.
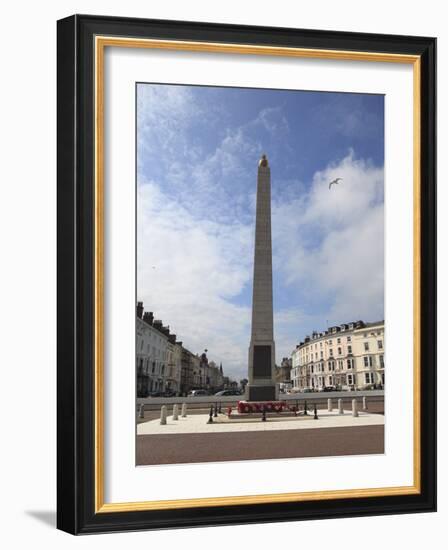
174	365
348	356
165	366
151	357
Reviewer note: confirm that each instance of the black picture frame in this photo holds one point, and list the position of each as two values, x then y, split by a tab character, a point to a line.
76	511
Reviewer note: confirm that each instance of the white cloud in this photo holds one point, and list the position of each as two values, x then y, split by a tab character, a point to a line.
172	124
330	242
273	120
188	272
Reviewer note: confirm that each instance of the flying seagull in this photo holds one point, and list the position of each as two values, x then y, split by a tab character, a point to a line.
336	181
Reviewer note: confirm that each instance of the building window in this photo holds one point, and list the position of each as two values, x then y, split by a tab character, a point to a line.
338	340
321	354
331	353
382	361
340	364
349	338
369	377
368	361
366	346
350	379
339	351
349	349
349	363
380	344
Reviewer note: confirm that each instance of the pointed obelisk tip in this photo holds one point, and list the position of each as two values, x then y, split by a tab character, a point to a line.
263	161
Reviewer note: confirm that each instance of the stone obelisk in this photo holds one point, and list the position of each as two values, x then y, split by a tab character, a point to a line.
261	386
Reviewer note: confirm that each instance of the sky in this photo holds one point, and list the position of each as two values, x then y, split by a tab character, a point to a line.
197	156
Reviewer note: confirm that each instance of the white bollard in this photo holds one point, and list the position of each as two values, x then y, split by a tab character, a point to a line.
175	412
340	407
354	407
163	415
330	405
184	410
364	403
141	412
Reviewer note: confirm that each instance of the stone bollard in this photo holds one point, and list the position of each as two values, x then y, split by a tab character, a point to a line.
263	415
315	412
340	407
210	416
163	415
141	412
364	403
329	405
175	412
219	409
305	409
216	410
354	407
184	410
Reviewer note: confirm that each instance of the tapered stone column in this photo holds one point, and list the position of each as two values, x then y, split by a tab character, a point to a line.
262	386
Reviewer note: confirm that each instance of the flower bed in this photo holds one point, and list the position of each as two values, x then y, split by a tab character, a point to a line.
259	406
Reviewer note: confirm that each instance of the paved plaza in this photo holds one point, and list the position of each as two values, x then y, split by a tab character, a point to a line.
245	423
193	440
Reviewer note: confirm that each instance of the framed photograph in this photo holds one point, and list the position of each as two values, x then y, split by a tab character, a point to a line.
246	274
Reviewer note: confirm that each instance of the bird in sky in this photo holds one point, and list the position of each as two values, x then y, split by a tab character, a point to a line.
336	181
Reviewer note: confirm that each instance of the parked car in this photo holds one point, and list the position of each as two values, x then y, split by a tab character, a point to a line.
329	388
166	393
227	392
198	393
308	390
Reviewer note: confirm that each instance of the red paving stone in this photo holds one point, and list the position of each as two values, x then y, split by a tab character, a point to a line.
218	447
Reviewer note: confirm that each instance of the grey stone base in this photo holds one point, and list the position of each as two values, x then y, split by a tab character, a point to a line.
261	393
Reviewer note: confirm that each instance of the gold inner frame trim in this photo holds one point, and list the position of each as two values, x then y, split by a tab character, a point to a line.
101	42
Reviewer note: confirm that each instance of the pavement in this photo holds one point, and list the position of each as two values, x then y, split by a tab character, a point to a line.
198	423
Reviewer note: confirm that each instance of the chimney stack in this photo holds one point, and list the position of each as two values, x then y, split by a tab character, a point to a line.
148	317
158	325
139	310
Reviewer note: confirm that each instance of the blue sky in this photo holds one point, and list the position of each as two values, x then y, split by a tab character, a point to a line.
197	156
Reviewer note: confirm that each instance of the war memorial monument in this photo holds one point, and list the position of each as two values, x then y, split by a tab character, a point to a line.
261	386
